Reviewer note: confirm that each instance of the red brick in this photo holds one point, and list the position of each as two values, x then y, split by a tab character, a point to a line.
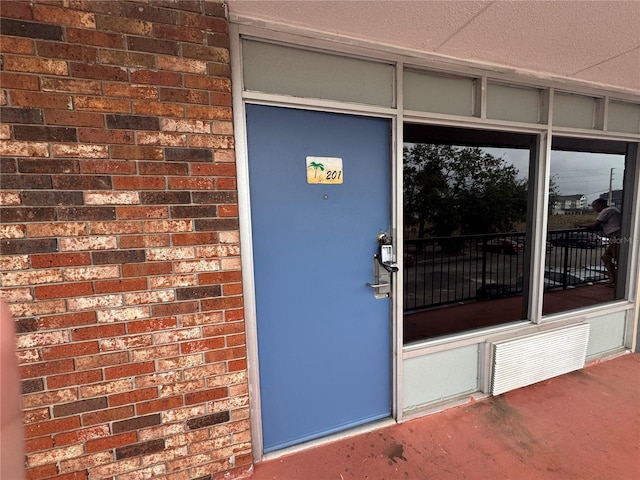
129	370
113	89
63	290
152	325
122	285
197	183
123	25
105	136
228	211
208	113
35	370
155	268
232	315
137	241
201	345
159	405
113	167
136	152
103	331
111	442
203	22
204	82
96	38
192	35
221	303
71	350
226	184
169	79
82	435
19	81
60	260
219	277
37	99
208	395
14	63
38	444
78	53
50	427
16	9
237	365
232	289
204	238
52	322
73	379
102	104
44	471
139	183
20	46
158	108
110	415
135	396
175	308
74	119
63	16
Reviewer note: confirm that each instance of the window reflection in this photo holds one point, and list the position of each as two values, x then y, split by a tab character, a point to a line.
576	273
465	223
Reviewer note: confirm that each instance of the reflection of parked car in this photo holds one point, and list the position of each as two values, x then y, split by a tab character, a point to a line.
556	277
575	239
501	245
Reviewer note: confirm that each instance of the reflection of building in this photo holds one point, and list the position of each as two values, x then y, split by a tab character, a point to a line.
569	204
616	198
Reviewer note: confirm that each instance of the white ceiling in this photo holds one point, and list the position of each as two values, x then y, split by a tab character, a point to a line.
597	41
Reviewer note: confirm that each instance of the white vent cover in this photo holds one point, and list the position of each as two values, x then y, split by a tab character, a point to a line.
523	361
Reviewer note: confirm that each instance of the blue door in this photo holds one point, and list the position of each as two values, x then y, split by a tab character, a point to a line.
324	343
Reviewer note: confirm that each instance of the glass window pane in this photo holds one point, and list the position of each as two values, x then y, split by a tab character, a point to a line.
465	211
303	73
438	94
586	198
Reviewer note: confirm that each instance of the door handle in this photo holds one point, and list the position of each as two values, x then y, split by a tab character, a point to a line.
377	285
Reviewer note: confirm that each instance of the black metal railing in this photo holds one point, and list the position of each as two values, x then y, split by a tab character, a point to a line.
447	270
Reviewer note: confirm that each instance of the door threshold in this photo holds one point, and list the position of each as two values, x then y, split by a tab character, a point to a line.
351	432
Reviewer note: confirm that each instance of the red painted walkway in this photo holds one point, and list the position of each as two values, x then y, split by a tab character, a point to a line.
581	426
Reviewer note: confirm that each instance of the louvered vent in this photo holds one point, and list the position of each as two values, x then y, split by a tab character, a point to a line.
523	361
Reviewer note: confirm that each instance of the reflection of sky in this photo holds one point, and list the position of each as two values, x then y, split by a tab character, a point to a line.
574	172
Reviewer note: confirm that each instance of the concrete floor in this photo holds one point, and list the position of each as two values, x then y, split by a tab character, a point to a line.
584	425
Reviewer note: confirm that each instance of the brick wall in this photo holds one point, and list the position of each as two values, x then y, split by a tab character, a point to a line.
119	238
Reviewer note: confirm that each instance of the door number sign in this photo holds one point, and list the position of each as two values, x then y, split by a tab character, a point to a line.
324	170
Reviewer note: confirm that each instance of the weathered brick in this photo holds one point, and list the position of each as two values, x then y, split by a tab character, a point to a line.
16	9
189	126
209	113
123	25
66	85
14	63
8	165
151	13
218	40
86	213
76	119
9	199
159	108
215	198
38	99
47	166
114	89
81	182
56	229
96	38
180	95
67	320
212	54
133	122
79	436
64	16
116	228
163	168
219	70
156	78
80	406
193	211
112	198
136	152
27	214
164	198
53	426
219	224
21	28
153	45
118	257
23	149
87	243
32	385
91	273
204	82
194	183
42	133
139	183
105	136
80	53
186	65
21	182
130	59
107	166
79	150
208	420
21	115
12	231
112	414
111	442
18	81
193	293
143	448
137	241
181	34
102	104
99	72
19	246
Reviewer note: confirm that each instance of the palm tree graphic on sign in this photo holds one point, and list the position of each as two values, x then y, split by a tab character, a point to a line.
317	167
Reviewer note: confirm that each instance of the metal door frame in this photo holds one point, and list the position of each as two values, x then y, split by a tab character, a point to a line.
240	99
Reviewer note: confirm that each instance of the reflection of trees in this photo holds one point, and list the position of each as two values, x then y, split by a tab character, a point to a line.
451	190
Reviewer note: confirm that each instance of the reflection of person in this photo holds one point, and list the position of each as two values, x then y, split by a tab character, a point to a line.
610	222
11	433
